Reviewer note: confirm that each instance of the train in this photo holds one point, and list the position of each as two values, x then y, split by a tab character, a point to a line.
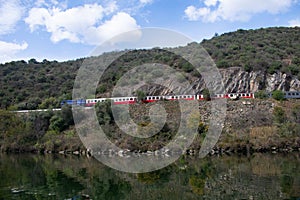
149	99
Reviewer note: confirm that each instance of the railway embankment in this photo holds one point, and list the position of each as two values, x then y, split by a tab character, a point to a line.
250	126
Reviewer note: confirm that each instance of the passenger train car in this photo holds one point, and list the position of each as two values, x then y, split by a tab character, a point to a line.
149	99
290	95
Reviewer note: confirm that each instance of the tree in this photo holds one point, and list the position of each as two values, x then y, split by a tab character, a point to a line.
104	112
140	95
50	102
279	115
206	94
296	113
261	94
278	95
57	123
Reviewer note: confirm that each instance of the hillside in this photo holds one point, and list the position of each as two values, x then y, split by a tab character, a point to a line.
268	49
264	59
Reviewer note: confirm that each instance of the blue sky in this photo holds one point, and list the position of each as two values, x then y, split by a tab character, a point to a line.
70	29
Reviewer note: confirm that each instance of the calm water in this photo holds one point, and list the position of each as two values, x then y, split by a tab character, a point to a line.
227	177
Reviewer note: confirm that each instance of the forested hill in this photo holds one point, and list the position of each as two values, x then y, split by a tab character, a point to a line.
31	84
270	49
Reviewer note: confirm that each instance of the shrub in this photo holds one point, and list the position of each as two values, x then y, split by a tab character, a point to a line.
278	95
279	115
206	94
261	94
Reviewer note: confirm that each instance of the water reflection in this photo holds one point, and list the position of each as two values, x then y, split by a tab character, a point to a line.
260	176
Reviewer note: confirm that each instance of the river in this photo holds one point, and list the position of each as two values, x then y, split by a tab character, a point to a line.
259	176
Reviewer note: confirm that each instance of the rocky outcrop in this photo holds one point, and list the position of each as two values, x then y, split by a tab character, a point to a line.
236	80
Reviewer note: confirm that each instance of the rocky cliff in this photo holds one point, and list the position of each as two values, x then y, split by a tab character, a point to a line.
235	80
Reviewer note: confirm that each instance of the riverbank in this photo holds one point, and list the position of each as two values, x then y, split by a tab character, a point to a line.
250	126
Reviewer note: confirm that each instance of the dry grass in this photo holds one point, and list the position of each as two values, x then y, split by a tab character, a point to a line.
263	136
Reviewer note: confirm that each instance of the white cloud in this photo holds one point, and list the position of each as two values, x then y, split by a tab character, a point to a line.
235	10
210	2
8	50
119	23
10	13
194	13
85	24
146	1
294	23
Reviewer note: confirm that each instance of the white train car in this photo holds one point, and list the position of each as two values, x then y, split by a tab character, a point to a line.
292	95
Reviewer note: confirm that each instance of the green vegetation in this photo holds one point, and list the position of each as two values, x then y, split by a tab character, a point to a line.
38	131
261	94
33	84
206	94
140	95
279	115
269	50
278	95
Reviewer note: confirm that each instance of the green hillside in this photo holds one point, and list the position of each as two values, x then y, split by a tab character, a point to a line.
268	49
31	84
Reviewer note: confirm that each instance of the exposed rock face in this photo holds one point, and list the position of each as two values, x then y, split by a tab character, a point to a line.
237	80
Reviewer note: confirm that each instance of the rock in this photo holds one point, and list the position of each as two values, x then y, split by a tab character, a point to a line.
76	152
235	80
61	152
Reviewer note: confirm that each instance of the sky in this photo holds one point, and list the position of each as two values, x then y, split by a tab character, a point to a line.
71	29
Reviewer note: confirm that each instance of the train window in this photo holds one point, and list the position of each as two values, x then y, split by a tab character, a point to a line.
184	96
231	95
244	95
131	99
157	97
289	94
